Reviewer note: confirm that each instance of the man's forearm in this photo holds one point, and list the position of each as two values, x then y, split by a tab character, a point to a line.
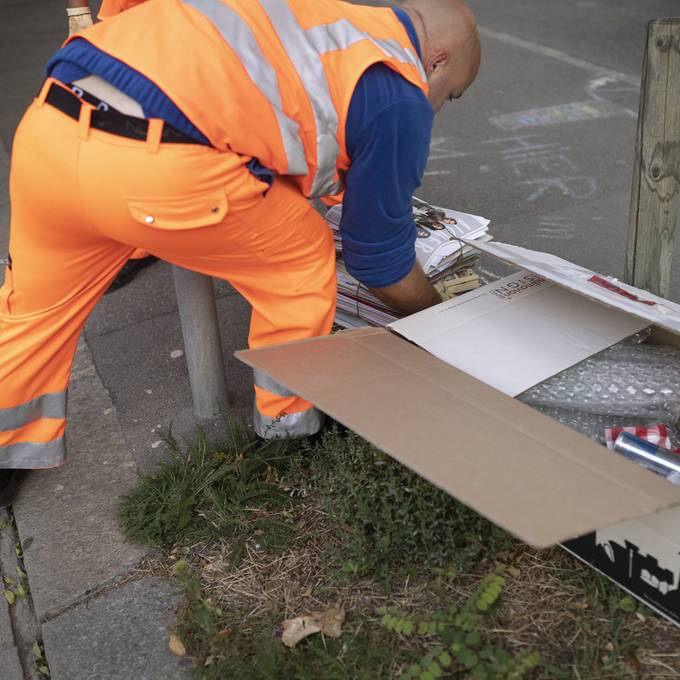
413	293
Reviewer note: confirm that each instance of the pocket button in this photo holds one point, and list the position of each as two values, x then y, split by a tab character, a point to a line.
149	219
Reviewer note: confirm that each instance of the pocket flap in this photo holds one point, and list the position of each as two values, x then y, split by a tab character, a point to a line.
180	212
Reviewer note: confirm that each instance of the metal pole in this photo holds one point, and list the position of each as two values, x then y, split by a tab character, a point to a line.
202	344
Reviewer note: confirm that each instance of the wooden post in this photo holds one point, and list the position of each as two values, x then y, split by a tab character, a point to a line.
656	174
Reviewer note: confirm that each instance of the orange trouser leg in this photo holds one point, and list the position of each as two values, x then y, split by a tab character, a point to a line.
82	201
293	298
202	209
58	270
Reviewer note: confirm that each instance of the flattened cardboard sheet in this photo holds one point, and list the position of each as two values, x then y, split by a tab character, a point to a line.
527	473
516	332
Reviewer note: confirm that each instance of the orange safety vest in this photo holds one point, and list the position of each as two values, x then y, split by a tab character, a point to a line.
270	79
109	8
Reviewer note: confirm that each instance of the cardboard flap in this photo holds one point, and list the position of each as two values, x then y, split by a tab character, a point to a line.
516	332
527	473
604	289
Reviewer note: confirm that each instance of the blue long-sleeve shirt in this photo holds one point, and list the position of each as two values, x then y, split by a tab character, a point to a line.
387	134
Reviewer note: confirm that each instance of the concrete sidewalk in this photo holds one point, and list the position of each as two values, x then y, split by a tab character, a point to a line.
95	616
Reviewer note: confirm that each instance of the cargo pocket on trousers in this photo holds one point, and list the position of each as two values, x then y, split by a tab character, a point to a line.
183	212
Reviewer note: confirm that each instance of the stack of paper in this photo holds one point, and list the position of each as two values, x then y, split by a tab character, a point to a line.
445	259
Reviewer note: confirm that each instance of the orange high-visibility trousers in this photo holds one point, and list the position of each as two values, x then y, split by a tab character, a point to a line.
83	200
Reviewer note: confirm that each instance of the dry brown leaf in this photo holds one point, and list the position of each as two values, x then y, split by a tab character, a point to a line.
332	621
299	628
177	646
328	622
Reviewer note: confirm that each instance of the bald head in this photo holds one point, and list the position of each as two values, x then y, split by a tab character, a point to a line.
449	43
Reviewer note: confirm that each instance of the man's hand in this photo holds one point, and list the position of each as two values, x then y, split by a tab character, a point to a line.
413	293
79	15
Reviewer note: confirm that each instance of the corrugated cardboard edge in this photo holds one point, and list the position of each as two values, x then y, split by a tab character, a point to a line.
488	249
517	467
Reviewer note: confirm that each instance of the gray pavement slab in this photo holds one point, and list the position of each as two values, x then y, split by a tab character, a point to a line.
18	626
66	517
10	667
121	635
6	629
151	388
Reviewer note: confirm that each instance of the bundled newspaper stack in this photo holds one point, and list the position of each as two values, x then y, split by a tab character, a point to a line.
444	258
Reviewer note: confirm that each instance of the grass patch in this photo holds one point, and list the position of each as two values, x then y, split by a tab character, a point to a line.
203	493
395	518
270	532
250	648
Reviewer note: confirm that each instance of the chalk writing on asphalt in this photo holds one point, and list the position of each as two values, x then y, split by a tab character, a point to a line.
442	148
545	168
556	228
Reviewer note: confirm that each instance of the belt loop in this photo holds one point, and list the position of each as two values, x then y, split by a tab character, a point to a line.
84	120
44	90
153	135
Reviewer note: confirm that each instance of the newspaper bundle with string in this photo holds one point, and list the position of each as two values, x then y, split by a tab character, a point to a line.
444	258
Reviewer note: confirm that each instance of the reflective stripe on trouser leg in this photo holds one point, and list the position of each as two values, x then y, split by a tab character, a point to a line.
300	424
33	454
279	413
32	433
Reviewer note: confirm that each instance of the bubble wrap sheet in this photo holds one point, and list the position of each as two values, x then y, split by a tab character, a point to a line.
630	383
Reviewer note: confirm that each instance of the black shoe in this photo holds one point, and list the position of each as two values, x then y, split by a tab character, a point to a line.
8	485
129	271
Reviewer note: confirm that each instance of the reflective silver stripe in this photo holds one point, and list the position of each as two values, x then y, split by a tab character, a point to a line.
50	405
300	424
304	47
33	454
268	383
305	59
342	34
241	39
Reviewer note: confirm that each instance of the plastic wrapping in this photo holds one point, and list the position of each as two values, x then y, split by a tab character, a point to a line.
592	425
631	382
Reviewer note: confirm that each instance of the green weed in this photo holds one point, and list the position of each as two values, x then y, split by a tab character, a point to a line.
395	518
229	491
457	642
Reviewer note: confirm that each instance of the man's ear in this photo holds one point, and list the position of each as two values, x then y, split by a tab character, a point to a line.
438	60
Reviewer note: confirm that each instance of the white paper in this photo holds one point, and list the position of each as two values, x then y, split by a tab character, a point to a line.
516	332
436	248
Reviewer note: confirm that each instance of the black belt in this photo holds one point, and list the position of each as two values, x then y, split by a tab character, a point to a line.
112	121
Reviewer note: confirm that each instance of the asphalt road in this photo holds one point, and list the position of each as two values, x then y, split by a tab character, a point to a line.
511	149
518	147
